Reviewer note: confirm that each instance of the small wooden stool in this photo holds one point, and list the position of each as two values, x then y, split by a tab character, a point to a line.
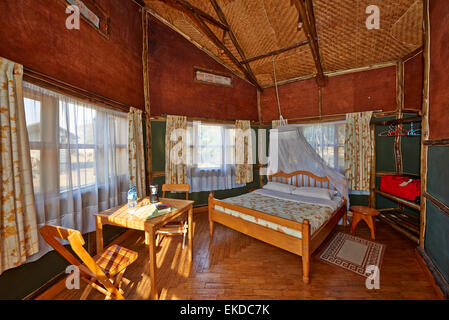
366	214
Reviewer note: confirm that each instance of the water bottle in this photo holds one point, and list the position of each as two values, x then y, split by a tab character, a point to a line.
132	197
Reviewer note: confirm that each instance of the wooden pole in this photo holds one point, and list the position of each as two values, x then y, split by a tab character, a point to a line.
400	105
236	44
146	87
320	102
372	195
211	35
425	124
311	37
275	52
186	6
259	109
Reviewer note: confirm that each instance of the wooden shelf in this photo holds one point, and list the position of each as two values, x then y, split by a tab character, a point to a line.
407	203
397	121
381	174
405	231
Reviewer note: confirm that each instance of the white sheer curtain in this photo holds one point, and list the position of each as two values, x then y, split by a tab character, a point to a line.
328	140
211	157
79	159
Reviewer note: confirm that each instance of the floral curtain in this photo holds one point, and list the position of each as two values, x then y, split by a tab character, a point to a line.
243	152
18	227
136	158
176	150
359	150
279	123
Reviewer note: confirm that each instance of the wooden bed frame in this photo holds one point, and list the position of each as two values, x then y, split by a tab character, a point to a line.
303	247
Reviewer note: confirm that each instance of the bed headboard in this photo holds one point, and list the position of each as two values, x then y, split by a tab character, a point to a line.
300	179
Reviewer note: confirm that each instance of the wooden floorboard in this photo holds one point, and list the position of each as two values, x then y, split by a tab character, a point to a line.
235	266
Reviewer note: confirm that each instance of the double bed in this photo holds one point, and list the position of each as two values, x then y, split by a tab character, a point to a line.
296	223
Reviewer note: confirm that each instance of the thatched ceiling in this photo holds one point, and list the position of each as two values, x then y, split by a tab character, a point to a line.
250	28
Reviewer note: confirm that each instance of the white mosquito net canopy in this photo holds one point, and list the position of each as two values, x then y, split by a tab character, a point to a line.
289	151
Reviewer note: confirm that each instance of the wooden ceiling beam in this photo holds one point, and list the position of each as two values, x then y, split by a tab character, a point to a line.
309	30
223	19
275	52
211	35
187	6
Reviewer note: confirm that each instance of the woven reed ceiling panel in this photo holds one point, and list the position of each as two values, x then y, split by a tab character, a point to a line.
262	26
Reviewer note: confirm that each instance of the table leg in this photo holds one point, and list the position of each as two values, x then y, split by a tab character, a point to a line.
150	235
99	235
190	233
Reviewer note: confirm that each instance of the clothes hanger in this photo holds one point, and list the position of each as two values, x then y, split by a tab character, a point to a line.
398	132
386	133
414	132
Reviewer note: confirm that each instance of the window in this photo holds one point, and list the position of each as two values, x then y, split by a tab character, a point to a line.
79	157
210	156
74	138
328	139
211	146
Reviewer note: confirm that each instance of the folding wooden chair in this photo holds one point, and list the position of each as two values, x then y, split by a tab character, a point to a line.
103	272
179	227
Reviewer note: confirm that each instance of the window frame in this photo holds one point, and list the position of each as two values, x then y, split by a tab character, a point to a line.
40	145
335	144
194	147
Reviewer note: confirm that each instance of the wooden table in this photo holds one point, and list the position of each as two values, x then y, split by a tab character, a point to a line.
366	214
119	216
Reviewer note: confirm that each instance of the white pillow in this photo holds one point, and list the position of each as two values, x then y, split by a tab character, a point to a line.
320	193
281	187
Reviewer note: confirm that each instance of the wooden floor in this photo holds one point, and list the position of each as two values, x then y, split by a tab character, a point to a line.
235	266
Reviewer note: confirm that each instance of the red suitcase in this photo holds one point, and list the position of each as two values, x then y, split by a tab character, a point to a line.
402	187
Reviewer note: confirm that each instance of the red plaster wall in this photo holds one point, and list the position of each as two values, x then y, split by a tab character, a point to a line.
439	70
413	82
360	91
297	99
354	92
33	33
173	91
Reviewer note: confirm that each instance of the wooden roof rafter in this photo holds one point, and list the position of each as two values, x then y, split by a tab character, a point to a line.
223	19
275	52
211	35
197	16
187	6
305	10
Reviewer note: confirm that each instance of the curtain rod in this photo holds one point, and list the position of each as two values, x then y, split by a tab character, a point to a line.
91	96
330	117
163	117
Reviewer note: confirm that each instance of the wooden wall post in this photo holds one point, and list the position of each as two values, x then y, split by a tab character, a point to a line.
320	102
400	106
259	112
372	195
425	124
146	87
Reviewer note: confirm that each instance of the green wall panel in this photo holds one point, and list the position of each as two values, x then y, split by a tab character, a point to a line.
437	223
158	145
438	173
436	243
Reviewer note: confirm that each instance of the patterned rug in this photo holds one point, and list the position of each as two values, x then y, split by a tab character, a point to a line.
353	253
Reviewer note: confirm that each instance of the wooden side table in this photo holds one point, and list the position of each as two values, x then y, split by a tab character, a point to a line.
366	214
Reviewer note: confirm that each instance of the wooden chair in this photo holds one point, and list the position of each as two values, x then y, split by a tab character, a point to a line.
103	272
179	227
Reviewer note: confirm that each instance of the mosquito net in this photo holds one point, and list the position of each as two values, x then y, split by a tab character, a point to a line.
289	151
